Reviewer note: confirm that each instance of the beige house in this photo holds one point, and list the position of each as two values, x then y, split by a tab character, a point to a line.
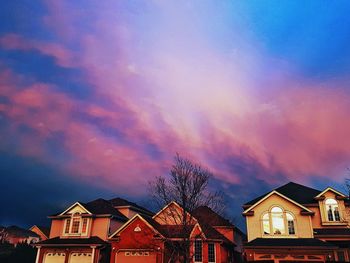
298	223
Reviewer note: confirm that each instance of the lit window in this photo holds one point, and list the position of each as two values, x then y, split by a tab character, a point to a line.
211	253
332	210
277	221
266	224
198	250
84	227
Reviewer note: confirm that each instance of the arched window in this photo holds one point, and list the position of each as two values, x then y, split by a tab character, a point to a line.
332	210
278	222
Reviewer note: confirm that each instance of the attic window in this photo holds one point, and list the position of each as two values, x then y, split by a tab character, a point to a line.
332	210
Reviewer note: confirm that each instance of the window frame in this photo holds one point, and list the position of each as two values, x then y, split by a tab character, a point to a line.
214	252
195	250
70	220
332	210
285	223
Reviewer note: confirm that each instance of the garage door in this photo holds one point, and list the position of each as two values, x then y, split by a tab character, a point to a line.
136	257
54	258
80	258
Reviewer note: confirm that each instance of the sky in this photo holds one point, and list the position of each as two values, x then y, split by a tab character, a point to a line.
96	98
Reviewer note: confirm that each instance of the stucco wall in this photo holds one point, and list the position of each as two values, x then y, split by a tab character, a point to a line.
254	224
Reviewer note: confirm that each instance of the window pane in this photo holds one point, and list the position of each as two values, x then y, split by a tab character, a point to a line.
277	223
291	230
84	226
67	226
266	224
75	225
336	214
198	250
276	209
211	252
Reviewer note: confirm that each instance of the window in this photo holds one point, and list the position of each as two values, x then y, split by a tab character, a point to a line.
266	224
278	222
290	222
211	252
332	210
76	225
198	250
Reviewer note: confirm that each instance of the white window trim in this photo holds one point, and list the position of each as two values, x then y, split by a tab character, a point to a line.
194	248
326	212
285	221
214	253
80	233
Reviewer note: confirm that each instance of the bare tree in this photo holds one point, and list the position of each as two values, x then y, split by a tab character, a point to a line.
187	185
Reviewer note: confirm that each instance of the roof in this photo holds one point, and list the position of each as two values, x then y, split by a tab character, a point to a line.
122	202
175	231
73	241
297	192
44	229
332	232
100	207
288	242
15	231
207	216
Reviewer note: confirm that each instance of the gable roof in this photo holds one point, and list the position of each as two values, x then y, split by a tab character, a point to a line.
207	216
331	189
146	219
98	207
120	202
297	192
281	195
190	216
43	229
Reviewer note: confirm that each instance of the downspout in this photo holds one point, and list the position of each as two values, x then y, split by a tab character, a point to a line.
93	255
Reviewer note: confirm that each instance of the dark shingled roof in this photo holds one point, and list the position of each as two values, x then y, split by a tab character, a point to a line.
297	192
45	230
15	231
332	232
122	202
73	241
101	206
205	215
287	242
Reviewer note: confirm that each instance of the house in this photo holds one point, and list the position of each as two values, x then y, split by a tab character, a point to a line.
296	223
156	239
42	231
80	233
15	235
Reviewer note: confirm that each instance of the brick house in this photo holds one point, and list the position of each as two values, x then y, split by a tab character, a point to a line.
153	239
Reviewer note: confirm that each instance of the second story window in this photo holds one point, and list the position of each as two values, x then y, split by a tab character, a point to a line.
278	222
76	225
198	247
211	253
332	210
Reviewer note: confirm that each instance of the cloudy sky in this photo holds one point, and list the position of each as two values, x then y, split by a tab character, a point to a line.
96	97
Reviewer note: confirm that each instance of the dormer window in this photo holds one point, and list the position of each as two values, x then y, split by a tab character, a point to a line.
278	222
332	209
76	225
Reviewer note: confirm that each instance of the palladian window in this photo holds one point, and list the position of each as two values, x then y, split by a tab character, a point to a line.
278	222
332	210
76	225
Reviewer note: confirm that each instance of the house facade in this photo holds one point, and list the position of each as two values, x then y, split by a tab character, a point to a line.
211	238
80	233
295	223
